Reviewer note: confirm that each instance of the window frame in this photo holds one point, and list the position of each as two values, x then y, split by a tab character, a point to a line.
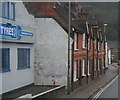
6	68
9	10
84	41
23	67
75	41
83	67
99	64
95	64
88	67
13	11
75	70
3	9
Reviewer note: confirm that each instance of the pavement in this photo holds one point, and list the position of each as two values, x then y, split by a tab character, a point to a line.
89	89
30	89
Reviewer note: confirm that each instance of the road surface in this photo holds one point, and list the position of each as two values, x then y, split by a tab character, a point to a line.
112	91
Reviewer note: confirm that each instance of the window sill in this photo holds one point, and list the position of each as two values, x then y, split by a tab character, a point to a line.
84	48
23	68
89	74
83	75
8	18
76	49
75	80
5	70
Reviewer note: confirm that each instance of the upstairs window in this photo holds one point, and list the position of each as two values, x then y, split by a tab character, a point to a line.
84	42
4	59
98	45
89	43
0	8
7	10
23	58
12	11
95	43
75	41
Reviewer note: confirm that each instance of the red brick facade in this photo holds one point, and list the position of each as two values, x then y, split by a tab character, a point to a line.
81	54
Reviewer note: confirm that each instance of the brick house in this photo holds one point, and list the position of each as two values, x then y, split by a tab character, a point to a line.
88	64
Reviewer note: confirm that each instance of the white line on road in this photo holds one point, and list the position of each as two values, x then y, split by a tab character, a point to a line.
104	88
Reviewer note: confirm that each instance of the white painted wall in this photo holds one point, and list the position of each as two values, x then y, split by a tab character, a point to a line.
18	78
51	53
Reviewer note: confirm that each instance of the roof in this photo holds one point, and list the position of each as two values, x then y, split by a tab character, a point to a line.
60	12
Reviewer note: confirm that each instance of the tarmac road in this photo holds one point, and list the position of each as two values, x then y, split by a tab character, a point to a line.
112	91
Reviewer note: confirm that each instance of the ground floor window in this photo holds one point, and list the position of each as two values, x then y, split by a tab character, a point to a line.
95	64
98	64
83	67
4	59
88	68
23	58
75	70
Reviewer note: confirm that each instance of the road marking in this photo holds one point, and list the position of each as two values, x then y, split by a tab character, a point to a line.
104	88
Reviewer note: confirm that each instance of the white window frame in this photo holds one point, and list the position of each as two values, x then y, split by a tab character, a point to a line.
83	67
75	41
88	68
95	64
98	45
103	63
83	41
75	70
95	43
98	64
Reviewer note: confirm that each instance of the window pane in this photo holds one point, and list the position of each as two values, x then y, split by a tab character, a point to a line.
12	9
5	9
23	58
4	59
0	8
0	59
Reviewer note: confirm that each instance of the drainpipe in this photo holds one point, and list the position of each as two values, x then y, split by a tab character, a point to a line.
87	60
111	54
93	61
72	64
104	56
93	42
97	58
87	35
